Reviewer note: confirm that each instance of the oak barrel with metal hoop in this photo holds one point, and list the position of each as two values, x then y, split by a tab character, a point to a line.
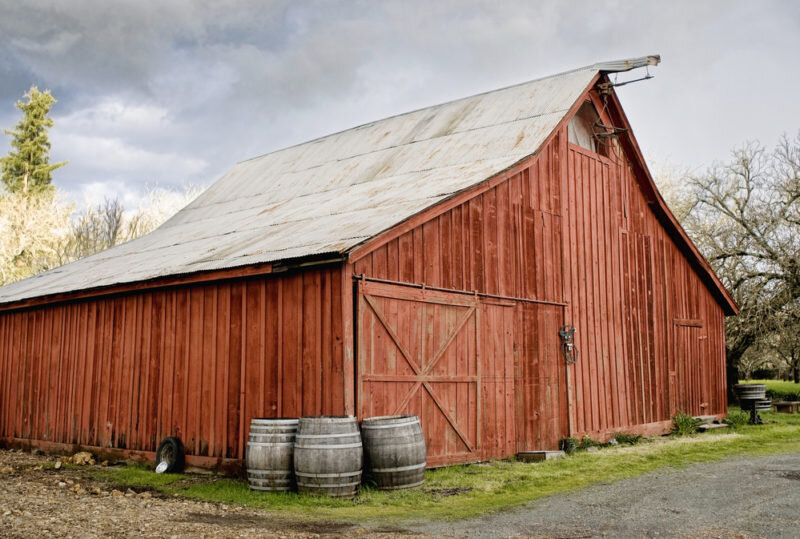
394	451
270	452
750	391
328	456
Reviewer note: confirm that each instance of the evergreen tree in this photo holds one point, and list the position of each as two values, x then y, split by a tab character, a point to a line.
27	166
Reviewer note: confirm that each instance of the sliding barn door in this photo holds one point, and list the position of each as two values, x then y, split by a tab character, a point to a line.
445	357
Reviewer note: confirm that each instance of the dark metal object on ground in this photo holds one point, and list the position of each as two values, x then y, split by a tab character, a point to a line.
394	451
270	453
752	397
170	450
328	456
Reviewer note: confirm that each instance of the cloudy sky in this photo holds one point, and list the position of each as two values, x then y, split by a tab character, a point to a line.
174	92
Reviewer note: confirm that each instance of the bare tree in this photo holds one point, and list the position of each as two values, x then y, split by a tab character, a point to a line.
39	232
108	224
759	357
786	342
95	230
745	217
33	229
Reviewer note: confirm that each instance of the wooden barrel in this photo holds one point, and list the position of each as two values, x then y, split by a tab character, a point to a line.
394	451
328	456
750	391
270	449
764	405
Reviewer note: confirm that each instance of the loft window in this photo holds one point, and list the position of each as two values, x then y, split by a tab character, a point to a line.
582	129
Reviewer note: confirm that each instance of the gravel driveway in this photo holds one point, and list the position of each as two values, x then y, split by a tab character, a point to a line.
741	497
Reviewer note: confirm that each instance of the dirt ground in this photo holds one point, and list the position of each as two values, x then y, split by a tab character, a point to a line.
736	498
67	503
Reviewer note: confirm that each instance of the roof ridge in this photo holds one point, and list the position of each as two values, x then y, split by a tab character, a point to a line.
610	66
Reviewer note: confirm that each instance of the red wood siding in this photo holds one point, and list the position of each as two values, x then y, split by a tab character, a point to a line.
196	362
629	289
540	378
573	227
505	241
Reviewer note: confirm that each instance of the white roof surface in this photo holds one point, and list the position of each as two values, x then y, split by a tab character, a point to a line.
333	193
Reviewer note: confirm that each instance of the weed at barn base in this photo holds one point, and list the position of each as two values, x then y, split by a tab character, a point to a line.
684	424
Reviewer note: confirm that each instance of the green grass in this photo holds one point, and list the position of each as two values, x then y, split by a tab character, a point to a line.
483	488
778	389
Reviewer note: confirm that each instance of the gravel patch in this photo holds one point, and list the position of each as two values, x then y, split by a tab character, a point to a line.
38	500
736	498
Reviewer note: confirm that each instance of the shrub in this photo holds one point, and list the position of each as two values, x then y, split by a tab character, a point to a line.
628	438
779	394
571	445
587	442
683	424
764	374
736	419
568	445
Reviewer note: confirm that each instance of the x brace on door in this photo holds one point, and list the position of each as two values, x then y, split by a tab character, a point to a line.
423	373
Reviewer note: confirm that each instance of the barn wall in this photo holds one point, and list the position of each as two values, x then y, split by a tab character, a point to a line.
192	361
650	333
506	241
573	227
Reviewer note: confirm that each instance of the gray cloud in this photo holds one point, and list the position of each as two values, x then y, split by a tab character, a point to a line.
176	91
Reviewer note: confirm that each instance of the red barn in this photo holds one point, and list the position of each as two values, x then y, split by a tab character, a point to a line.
419	264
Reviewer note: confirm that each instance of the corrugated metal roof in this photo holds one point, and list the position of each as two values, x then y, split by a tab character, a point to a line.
330	194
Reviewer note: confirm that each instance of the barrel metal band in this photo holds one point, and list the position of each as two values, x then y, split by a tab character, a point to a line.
342	474
331	485
371	427
256	482
271	444
337	446
338	435
400	468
